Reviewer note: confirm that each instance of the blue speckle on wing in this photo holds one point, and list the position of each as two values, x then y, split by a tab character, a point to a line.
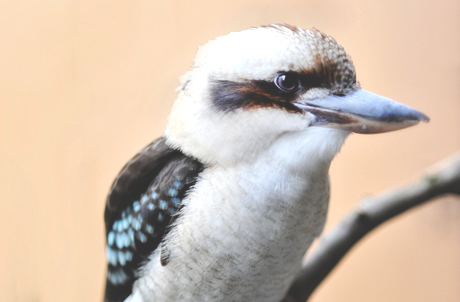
149	229
144	198
163	205
117	276
160	217
131	235
127	239
128	256
154	195
111	238
136	206
121	258
151	206
176	201
111	255
177	184
172	192
124	257
136	224
120	241
125	223
141	236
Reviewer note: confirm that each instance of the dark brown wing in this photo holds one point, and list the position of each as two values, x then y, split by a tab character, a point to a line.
142	201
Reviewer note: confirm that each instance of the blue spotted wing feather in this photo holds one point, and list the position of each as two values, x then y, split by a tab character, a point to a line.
145	197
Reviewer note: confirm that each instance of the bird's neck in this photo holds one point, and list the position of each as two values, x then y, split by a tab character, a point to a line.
305	152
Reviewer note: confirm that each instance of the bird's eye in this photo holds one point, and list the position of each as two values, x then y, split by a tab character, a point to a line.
287	81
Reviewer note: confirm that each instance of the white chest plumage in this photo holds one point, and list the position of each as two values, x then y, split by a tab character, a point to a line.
244	229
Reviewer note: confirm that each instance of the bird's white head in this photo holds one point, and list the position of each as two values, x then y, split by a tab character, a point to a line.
275	87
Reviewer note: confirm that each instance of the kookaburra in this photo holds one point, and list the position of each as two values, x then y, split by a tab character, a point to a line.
225	204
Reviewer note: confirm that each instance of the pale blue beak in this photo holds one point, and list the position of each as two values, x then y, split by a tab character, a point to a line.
362	112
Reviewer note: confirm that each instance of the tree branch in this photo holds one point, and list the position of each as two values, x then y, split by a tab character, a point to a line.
370	213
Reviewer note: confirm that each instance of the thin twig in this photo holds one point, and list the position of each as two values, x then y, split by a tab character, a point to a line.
370	213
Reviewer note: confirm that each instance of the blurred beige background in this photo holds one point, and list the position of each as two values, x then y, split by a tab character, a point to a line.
85	84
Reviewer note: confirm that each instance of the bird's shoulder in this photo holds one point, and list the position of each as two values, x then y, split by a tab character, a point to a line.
144	199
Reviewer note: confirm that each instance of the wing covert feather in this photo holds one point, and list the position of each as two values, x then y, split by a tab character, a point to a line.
143	199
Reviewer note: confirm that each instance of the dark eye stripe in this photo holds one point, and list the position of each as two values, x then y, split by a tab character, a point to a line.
310	80
228	96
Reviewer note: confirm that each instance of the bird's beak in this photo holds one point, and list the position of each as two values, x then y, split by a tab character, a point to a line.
361	112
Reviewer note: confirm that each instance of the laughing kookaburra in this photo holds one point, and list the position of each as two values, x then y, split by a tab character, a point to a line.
225	204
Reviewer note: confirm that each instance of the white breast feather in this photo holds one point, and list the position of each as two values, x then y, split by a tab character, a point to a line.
245	228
